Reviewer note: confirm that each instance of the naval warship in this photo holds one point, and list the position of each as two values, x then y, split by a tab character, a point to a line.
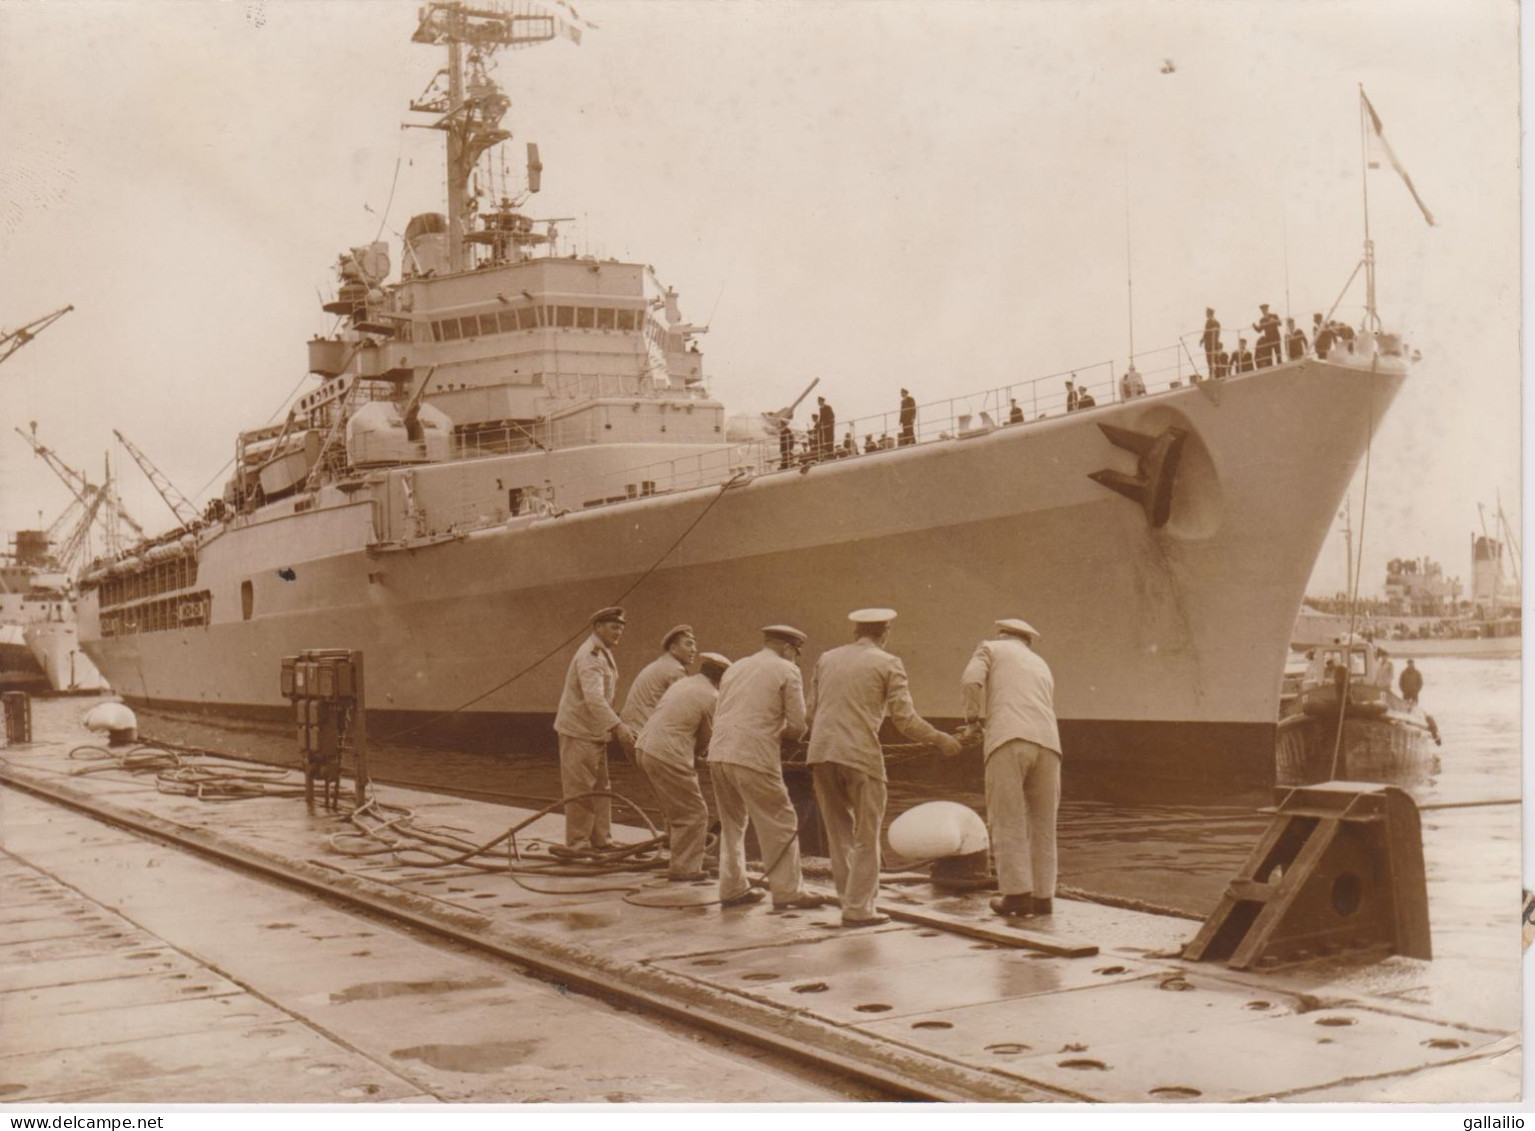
39	641
505	436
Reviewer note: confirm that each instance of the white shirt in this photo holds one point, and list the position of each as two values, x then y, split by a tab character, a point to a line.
1010	686
854	687
761	698
648	687
686	708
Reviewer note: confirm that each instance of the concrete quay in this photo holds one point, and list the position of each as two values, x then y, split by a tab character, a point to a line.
96	1004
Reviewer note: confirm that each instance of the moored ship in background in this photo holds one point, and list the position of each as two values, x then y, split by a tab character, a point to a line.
505	437
39	643
1423	612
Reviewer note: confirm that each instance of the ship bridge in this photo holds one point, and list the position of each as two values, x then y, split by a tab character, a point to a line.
518	341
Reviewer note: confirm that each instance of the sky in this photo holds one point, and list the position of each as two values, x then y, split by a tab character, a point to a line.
944	196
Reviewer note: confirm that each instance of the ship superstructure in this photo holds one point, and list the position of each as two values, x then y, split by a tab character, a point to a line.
506	436
38	630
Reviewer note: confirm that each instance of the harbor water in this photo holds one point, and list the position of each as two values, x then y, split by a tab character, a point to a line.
1142	841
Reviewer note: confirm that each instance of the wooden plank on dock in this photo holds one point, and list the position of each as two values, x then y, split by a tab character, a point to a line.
994	932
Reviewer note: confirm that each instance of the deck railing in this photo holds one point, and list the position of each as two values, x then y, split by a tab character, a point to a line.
1158	372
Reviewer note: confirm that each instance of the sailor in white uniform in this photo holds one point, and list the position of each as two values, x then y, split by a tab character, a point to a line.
854	688
585	722
677	729
762	700
678	650
1009	689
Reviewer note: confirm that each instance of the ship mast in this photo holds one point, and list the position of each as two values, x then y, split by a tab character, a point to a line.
1372	319
470	109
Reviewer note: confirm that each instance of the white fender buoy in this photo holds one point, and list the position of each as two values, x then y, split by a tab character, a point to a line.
936	830
117	720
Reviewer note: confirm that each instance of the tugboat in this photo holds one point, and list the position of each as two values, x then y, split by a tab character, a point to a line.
506	435
1380	735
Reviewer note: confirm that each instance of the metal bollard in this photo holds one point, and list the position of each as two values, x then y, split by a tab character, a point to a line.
964	873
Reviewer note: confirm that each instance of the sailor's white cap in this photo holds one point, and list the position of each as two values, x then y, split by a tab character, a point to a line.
785	632
1016	627
713	660
672	634
872	616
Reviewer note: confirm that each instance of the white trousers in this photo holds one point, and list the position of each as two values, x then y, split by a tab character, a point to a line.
1023	792
741	794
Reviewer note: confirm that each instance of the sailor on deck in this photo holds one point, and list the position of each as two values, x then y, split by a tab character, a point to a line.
853	689
585	722
908	418
1385	670
665	750
762	699
678	650
1212	340
1010	690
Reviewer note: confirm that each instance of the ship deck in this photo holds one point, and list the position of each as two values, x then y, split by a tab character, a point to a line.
943	1003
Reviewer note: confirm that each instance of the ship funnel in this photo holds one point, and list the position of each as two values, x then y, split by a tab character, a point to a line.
535	168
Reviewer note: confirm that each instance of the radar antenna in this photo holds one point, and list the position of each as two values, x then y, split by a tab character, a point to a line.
469	110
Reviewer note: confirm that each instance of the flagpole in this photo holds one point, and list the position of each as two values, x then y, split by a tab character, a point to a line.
1369	246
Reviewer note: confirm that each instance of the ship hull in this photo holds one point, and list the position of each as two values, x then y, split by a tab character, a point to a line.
1395	750
56	647
1480	647
1314	630
19	669
1167	644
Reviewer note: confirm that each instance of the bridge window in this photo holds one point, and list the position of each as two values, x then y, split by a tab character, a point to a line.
628	319
605	318
507	320
527	318
447	330
586	317
565	316
488	324
470	326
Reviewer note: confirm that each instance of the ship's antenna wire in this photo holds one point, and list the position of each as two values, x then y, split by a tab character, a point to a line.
573	637
383	217
1353	601
1129	270
1284	217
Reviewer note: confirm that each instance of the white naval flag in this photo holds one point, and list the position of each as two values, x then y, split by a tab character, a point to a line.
1379	147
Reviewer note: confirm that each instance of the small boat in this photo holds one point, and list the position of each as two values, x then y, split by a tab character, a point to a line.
1346	722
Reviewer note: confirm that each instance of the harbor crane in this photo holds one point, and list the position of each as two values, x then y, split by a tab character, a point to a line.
181	507
13	340
89	496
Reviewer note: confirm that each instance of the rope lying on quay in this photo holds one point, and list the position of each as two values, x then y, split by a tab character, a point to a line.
395	834
392	830
175	773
